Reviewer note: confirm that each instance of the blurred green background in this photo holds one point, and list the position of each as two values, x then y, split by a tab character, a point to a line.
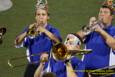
66	15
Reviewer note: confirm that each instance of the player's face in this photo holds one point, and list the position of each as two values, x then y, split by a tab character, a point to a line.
41	16
72	42
110	2
105	15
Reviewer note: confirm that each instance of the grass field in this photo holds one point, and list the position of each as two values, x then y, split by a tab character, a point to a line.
67	15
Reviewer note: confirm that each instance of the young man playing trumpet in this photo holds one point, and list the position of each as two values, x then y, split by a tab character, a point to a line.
38	38
100	38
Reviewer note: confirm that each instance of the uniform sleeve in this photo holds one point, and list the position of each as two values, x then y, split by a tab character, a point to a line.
27	40
56	33
87	38
80	69
78	66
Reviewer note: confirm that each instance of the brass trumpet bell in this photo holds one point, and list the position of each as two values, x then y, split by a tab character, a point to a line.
60	51
32	31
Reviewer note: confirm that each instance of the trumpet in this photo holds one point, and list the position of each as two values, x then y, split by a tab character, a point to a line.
60	52
73	42
91	26
32	30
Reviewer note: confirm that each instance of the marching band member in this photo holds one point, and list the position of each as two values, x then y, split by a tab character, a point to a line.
99	38
38	37
61	62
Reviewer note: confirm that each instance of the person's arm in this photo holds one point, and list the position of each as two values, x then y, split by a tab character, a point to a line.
108	38
49	34
43	60
70	70
19	39
87	29
38	72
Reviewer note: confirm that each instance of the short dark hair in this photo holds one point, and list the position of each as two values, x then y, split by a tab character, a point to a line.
109	7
